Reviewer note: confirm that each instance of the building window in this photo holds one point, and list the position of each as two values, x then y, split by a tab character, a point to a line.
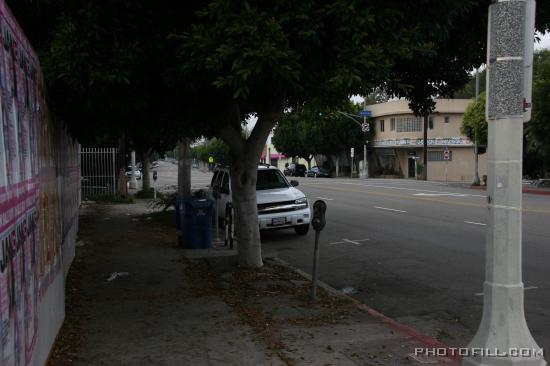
447	119
409	124
431	123
439	155
392	124
381	125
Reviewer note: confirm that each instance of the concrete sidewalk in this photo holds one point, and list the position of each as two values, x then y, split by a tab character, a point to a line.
138	299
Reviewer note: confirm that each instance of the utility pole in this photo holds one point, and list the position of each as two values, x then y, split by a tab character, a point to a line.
365	129
476	181
509	76
425	148
133	181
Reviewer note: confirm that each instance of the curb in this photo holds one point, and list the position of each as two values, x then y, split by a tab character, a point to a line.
524	190
405	329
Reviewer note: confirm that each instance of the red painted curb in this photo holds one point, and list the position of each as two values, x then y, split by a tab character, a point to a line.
543	192
536	191
413	333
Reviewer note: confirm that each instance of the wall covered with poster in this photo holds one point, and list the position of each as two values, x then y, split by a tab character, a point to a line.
39	185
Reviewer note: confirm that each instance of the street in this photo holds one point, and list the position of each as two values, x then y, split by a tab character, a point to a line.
415	250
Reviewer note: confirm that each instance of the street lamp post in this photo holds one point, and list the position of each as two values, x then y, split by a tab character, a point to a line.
503	327
476	181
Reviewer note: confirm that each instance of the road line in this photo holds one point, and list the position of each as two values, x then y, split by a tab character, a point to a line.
347	241
424	198
415	190
388	209
475	223
325	198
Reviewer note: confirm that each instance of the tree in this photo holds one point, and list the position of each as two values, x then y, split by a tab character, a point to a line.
474	125
262	58
537	132
215	148
252	59
103	62
311	130
293	136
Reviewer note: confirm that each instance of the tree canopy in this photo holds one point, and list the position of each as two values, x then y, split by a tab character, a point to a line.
309	131
474	124
153	73
537	132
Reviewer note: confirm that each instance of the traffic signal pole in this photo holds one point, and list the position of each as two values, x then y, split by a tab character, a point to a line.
503	330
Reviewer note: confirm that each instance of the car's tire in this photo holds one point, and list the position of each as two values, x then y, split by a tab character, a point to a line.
301	229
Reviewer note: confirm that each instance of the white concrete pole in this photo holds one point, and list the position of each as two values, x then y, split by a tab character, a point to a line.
133	181
503	326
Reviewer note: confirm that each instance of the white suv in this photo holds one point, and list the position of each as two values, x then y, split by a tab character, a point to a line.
280	205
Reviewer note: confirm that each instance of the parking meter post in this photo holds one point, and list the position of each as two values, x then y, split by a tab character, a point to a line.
315	261
155	176
318	222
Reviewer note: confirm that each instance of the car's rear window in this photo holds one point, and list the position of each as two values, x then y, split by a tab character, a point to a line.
270	179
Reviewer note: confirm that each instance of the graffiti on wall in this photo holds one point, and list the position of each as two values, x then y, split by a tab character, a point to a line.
39	185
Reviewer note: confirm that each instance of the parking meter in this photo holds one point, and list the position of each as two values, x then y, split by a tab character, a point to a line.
318	222
155	175
319	210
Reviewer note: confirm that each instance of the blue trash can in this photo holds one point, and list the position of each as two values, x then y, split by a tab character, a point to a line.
197	223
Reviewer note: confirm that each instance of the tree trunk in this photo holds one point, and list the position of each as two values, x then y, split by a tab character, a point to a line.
309	163
145	177
243	187
425	153
246	154
184	168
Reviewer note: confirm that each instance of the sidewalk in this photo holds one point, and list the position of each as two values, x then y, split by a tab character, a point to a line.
135	298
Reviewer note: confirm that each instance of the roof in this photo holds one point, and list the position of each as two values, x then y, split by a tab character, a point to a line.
401	106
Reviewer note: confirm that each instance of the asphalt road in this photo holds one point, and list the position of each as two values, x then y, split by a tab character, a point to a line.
416	251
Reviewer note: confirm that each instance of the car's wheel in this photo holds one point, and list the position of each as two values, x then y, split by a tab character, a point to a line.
301	229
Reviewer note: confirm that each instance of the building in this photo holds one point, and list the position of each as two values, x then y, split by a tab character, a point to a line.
398	142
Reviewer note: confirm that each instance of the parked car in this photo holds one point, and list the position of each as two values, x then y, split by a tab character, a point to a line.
129	172
318	172
542	183
280	204
295	170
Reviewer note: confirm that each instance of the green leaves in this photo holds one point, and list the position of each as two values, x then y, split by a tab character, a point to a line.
474	119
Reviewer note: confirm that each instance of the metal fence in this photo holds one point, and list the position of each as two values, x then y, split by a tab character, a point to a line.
98	171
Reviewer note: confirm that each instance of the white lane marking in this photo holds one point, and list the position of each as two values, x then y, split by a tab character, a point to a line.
440	194
325	198
347	241
475	223
525	289
413	189
388	209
